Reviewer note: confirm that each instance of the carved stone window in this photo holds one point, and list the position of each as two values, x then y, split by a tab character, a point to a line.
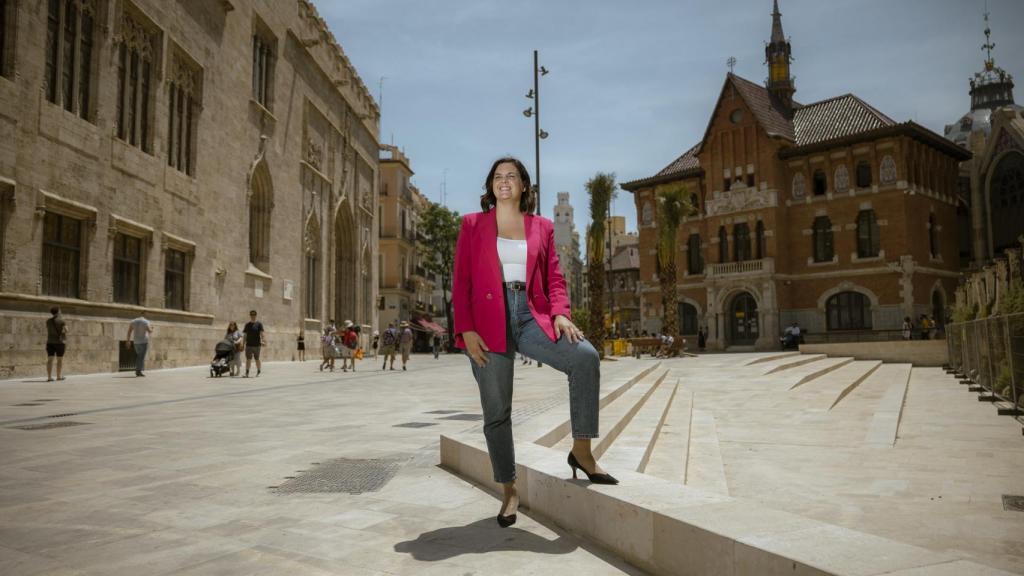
70	43
136	62
799	186
263	60
887	171
184	93
311	242
842	179
647	213
261	203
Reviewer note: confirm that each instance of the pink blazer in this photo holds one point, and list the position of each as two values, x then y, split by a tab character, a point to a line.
478	293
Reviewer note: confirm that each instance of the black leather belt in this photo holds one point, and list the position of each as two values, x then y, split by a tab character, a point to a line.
516	285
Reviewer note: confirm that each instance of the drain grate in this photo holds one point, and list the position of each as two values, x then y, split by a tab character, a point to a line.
442	412
28	404
63	415
343	475
49	425
1013	503
414	425
467	417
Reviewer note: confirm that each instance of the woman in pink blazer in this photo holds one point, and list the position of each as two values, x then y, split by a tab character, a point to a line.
509	295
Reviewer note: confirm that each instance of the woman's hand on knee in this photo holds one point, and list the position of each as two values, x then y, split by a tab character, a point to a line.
565	326
476	348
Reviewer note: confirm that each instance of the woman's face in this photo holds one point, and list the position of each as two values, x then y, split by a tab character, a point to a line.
507	184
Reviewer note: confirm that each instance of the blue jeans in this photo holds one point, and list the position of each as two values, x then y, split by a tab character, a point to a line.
580	361
140	356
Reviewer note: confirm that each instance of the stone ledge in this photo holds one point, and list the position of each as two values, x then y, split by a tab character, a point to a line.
667	528
10	301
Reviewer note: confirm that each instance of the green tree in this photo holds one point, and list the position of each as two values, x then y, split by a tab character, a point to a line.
672	206
602	191
581	318
440	230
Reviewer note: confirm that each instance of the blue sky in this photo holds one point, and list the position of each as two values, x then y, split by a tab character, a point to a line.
632	84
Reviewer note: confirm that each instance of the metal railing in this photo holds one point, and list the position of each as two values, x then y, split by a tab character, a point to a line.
989	353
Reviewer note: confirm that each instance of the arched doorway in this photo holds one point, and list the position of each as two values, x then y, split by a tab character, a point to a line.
743	324
1006	200
687	319
345	274
938	310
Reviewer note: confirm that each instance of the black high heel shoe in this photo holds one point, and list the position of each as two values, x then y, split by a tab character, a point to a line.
506	521
594	478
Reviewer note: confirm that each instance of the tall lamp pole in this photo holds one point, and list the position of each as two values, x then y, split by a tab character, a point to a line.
534	111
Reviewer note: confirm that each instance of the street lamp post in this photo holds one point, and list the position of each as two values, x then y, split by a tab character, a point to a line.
534	111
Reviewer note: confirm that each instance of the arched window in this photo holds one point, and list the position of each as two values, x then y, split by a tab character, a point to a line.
687	318
694	259
1007	200
759	235
848	311
867	234
820	182
723	244
312	268
842	179
823	251
887	171
741	235
933	237
260	206
863	174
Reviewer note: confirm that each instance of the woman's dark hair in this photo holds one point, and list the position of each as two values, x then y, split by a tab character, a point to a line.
528	200
230	324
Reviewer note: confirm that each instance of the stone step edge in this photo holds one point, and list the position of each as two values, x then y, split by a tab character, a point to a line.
563	427
796	361
608	438
666	528
657	429
846	391
825	370
770	357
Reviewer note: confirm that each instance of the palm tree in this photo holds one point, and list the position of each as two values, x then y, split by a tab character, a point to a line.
602	190
673	204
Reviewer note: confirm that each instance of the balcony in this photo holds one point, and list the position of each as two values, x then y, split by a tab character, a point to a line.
764	266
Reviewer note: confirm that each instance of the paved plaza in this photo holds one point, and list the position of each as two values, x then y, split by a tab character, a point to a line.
307	472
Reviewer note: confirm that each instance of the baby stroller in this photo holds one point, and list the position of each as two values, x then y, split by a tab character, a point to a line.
224	353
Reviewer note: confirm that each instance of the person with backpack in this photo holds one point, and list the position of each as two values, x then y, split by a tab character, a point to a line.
349	341
388	341
56	334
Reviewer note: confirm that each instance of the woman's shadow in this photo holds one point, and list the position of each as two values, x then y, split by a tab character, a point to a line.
480	537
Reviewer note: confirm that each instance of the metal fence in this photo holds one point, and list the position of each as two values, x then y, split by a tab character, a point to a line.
989	354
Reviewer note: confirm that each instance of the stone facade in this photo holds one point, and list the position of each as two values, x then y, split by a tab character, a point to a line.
405	287
187	160
567	242
828	214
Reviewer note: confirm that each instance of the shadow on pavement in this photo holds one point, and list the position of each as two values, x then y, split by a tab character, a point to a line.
481	536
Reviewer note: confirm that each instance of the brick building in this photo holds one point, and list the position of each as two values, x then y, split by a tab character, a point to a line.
188	160
829	214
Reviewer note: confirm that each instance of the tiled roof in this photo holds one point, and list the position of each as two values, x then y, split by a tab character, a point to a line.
769	113
837	117
688	161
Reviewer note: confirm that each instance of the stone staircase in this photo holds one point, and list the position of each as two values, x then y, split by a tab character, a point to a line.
672	512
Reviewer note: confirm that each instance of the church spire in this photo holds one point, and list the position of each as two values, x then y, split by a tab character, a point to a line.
993	86
778	56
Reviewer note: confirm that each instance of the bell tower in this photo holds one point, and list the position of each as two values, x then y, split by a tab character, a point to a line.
778	57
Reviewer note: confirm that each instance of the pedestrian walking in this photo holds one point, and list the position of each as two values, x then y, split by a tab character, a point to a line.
702	339
375	343
327	349
908	328
138	334
509	295
56	334
301	345
925	326
237	339
405	343
436	342
254	341
388	342
349	342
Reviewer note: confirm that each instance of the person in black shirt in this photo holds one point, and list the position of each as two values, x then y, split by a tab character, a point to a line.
56	332
253	342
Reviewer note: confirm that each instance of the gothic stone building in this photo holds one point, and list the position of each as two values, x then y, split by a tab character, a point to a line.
829	214
188	160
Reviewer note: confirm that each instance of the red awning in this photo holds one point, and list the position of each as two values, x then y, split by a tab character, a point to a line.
433	327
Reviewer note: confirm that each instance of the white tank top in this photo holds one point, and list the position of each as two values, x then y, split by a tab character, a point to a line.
512	254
